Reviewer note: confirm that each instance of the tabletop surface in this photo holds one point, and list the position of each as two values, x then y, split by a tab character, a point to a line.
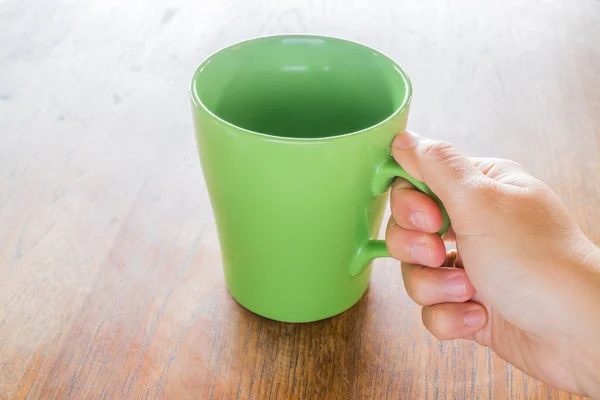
111	283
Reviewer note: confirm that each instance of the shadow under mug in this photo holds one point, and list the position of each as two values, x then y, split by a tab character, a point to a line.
294	135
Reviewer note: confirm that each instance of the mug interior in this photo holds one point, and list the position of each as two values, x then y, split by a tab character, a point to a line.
301	86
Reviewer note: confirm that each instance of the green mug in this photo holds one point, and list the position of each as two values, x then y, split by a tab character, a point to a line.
294	136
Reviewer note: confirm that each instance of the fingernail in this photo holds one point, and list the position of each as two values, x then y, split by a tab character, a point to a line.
421	252
474	318
405	140
456	286
420	220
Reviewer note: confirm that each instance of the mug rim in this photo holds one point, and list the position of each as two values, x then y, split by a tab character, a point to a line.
197	102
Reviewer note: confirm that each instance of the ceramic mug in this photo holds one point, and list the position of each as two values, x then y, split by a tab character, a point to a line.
294	135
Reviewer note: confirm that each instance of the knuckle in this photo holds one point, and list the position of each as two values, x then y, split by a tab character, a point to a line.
393	250
502	160
537	189
439	150
442	336
412	275
430	322
391	222
511	166
392	240
397	197
446	154
399	210
418	300
511	163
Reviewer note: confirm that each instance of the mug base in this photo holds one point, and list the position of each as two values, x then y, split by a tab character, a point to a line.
298	320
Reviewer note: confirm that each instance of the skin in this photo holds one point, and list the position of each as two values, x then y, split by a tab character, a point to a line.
530	287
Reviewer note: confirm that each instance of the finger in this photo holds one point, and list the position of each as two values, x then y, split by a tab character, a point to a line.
454	320
440	165
414	247
414	210
427	286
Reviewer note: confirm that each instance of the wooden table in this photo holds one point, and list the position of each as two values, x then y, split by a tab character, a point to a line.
111	281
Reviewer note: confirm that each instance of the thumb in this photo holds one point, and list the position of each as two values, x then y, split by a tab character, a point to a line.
446	171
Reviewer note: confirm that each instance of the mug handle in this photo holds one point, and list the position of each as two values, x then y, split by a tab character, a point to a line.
384	177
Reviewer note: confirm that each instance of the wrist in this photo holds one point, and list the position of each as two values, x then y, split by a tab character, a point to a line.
589	378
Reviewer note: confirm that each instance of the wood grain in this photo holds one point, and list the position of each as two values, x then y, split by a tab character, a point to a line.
110	274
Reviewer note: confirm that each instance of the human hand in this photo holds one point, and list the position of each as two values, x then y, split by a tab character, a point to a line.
530	287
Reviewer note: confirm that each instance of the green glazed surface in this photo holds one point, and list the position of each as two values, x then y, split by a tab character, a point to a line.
294	137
